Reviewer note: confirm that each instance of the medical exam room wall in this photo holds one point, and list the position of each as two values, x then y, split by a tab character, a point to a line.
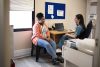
73	7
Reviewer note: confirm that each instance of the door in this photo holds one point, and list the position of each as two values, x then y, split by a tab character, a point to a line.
96	62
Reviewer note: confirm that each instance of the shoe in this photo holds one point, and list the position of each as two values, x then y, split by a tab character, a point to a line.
55	61
59	58
58	50
59	54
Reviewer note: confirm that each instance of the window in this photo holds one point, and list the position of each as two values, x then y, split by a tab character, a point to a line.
20	14
21	19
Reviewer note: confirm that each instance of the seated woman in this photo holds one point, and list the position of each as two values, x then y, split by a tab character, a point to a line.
79	29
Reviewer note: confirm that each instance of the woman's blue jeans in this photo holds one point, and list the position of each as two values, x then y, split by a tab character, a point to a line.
49	45
63	38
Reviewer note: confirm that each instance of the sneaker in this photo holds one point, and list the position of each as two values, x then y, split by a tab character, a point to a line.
55	61
58	50
59	54
59	58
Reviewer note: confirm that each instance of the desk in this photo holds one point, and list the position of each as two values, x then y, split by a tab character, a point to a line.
55	35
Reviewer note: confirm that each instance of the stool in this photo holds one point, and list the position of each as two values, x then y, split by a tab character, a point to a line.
38	48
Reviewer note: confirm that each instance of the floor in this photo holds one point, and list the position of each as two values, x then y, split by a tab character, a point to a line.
44	61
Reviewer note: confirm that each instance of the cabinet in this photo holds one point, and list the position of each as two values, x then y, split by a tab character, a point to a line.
76	57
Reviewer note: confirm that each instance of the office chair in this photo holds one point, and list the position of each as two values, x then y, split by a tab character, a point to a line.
88	29
86	33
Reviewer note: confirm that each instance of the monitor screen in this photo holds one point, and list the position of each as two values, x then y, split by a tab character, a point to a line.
59	26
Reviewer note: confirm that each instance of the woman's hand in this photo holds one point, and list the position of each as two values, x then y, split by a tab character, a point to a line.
70	31
70	35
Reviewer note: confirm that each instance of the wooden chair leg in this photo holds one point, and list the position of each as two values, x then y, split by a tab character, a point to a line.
37	53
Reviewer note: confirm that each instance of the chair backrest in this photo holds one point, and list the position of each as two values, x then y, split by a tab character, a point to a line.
88	29
86	32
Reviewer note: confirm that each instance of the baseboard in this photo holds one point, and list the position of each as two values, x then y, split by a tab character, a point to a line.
22	53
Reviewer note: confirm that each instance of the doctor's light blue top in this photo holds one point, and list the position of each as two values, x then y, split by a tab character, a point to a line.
78	30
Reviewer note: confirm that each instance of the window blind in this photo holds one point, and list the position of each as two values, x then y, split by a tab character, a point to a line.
21	5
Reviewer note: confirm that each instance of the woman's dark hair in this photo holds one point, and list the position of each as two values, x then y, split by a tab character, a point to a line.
80	17
39	16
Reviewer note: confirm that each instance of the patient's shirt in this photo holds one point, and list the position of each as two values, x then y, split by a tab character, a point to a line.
44	31
79	29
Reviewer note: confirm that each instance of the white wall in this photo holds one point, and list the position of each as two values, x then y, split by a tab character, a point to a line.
73	7
22	40
22	43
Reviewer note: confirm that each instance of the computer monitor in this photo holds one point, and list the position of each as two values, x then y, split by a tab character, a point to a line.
59	26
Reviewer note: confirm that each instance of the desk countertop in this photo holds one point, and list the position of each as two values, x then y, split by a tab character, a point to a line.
57	32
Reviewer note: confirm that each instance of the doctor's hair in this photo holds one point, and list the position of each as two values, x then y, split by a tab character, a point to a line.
80	17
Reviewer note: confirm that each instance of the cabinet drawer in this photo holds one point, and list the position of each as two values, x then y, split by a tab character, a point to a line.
76	57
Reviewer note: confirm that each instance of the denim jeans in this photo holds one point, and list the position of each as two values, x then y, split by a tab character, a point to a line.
63	38
50	47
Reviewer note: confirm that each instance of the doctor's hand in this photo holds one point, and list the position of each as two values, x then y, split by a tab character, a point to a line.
71	35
